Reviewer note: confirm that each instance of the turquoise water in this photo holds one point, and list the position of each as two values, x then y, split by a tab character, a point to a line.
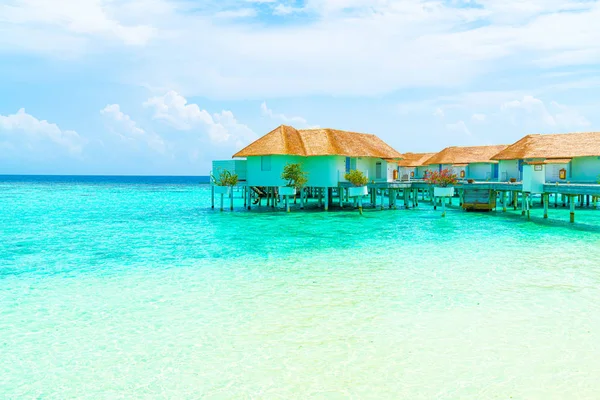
135	288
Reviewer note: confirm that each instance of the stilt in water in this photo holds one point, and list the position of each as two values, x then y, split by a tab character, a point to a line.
212	196
572	209
545	198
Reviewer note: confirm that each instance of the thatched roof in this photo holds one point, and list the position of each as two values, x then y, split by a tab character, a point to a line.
414	159
466	155
566	145
286	140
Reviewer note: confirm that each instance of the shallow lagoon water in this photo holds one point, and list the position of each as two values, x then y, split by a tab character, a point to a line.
137	289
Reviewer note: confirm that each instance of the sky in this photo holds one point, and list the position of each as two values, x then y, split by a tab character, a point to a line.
163	87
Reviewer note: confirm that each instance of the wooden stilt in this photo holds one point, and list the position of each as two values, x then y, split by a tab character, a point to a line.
287	203
231	198
248	197
572	209
523	205
443	208
545	198
504	201
212	196
326	199
222	201
381	197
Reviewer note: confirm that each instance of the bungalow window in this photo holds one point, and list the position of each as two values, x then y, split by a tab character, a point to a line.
265	163
378	170
347	164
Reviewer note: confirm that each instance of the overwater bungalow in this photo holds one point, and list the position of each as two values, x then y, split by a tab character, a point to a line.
412	166
567	157
474	162
325	154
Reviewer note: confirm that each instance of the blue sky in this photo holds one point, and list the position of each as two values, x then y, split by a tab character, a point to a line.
165	86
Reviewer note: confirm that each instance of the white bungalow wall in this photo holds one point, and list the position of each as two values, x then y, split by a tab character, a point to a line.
585	169
553	172
508	169
534	177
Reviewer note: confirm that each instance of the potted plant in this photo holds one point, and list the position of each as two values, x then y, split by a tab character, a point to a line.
296	179
443	182
470	180
513	180
359	182
224	181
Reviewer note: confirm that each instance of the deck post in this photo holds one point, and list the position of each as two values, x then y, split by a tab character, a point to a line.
504	201
381	194
528	205
523	203
248	197
268	196
302	198
443	208
360	210
221	201
545	197
326	199
287	203
341	196
572	209
244	189
555	200
231	199
212	196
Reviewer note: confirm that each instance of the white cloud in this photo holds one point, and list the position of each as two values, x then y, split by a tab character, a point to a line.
127	129
439	113
221	128
460	127
77	18
533	113
478	117
337	48
282	9
239	13
267	112
24	131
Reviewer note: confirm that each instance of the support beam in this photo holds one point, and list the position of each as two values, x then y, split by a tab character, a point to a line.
572	209
341	196
222	195
326	199
248	197
381	194
231	198
504	201
545	198
212	196
523	206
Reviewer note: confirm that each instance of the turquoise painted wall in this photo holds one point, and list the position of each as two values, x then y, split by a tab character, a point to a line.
585	169
323	171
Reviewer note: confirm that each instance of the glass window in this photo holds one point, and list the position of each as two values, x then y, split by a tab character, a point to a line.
265	163
378	170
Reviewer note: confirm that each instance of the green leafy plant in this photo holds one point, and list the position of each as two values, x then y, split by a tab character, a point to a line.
294	175
225	178
598	179
443	178
356	177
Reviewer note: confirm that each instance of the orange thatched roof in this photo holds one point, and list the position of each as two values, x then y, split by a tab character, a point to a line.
466	155
414	159
286	140
566	145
